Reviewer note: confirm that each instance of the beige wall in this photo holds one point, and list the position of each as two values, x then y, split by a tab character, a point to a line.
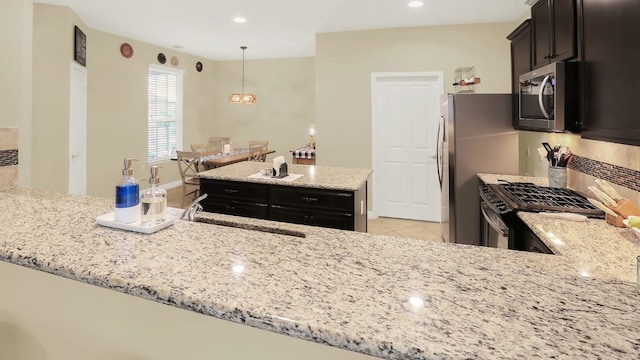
116	102
287	90
16	23
285	105
345	61
331	90
52	54
530	162
117	108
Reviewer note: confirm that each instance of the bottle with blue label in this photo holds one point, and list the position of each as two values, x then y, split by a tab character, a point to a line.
127	209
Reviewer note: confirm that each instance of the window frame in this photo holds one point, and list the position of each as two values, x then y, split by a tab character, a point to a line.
179	109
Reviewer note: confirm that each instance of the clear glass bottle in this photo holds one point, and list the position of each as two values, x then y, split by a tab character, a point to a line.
154	201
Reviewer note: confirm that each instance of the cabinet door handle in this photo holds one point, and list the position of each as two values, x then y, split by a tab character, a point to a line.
309	199
230	191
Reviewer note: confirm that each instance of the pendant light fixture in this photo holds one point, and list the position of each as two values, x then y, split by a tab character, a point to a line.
242	98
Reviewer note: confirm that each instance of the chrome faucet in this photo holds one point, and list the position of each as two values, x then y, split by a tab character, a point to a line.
193	209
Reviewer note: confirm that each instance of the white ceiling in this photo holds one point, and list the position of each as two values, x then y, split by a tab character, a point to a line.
274	28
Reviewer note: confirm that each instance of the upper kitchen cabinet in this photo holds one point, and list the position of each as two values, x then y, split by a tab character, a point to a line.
520	61
610	57
554	31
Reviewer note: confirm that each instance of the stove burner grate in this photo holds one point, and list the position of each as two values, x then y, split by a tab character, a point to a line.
530	197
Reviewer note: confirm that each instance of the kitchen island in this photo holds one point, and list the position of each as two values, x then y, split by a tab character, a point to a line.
358	294
334	197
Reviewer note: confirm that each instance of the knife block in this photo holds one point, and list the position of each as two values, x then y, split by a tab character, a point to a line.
614	220
626	208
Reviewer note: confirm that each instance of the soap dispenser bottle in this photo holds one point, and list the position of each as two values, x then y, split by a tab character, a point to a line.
154	201
127	209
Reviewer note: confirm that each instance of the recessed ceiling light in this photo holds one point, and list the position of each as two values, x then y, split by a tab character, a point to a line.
240	20
415	4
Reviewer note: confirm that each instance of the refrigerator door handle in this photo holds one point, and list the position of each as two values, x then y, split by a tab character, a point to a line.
439	151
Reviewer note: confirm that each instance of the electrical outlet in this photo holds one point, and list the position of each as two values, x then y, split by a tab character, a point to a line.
528	151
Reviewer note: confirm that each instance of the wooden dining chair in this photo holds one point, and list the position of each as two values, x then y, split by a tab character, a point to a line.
201	148
188	164
216	144
257	150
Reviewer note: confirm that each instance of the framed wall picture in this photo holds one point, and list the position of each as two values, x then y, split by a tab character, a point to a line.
80	47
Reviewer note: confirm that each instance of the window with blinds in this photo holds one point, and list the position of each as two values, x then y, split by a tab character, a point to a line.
164	129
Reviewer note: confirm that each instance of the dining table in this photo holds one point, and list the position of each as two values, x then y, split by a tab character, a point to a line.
214	160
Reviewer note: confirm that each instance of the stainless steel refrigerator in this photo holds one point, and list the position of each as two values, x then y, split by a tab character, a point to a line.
475	136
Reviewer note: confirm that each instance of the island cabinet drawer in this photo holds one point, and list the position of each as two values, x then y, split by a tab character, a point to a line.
234	190
305	198
238	208
326	219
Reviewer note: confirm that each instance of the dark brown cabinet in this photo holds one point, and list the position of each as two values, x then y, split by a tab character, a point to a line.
326	208
235	198
520	61
610	55
339	209
554	31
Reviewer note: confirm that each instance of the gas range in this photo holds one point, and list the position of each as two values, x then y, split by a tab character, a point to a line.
500	203
535	198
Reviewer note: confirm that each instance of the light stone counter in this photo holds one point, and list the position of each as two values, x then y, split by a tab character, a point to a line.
593	248
320	177
496	178
389	297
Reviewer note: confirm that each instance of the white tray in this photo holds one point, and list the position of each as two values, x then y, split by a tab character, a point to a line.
108	220
289	177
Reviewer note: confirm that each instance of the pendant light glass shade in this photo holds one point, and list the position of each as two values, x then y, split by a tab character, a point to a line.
242	98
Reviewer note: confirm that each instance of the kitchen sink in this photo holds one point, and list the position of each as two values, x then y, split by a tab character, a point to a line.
262	228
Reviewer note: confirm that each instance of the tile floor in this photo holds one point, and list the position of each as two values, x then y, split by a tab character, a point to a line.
382	226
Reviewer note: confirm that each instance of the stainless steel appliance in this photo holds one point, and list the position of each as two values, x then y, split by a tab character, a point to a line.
475	136
548	98
501	202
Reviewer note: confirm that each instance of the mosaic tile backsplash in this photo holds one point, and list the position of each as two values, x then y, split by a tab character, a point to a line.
619	175
8	156
619	164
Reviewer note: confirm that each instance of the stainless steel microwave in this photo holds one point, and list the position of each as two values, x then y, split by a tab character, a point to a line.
548	98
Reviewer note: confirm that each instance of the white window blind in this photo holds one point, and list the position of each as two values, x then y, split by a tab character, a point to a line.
164	129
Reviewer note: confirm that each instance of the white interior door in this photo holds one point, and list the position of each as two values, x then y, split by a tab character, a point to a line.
405	124
78	130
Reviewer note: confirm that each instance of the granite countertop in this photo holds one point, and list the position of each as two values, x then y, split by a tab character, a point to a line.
391	297
592	248
321	177
496	178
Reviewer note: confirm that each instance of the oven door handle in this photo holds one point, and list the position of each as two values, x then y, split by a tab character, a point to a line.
495	225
